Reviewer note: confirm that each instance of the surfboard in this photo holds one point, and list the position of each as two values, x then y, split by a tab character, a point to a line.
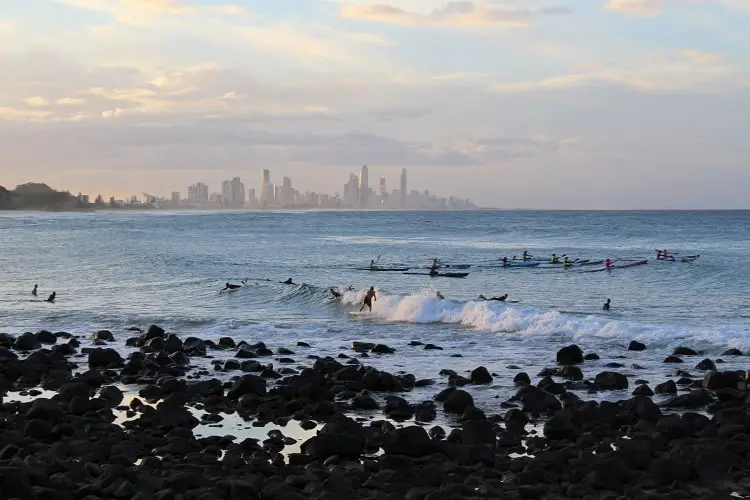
360	314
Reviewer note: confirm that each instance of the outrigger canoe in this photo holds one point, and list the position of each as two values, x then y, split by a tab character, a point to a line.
383	269
511	264
619	266
440	275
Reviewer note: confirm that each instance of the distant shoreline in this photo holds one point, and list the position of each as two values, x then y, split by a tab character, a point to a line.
95	209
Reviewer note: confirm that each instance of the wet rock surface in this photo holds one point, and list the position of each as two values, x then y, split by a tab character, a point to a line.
90	438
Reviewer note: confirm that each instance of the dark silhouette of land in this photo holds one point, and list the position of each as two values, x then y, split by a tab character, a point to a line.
38	196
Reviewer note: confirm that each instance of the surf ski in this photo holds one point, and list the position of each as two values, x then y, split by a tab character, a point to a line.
440	275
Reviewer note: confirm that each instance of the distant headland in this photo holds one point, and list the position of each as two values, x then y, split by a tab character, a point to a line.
39	196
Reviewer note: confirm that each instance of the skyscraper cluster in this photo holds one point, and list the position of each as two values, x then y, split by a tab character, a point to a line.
357	194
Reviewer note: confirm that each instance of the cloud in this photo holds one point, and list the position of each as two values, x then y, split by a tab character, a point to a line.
70	101
456	12
652	8
139	11
36	101
677	71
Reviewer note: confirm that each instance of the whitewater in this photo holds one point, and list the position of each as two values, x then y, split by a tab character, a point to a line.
118	270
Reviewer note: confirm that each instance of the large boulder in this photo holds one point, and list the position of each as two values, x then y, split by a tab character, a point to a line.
537	401
636	346
104	335
104	358
481	375
570	355
457	401
26	342
326	445
684	351
723	380
612	381
153	332
412	441
247	384
706	365
478	432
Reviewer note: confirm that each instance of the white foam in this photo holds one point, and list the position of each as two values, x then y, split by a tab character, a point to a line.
499	318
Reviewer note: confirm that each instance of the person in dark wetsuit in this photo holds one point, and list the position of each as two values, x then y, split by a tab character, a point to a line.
229	286
288	282
335	293
606	305
502	298
440	295
33	292
369	297
527	255
52	296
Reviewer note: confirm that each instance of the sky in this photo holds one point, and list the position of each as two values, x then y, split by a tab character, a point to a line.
548	104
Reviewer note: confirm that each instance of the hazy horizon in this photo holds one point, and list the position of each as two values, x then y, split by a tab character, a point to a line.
514	104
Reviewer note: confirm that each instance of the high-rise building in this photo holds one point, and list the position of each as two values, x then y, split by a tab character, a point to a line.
198	194
287	195
403	188
364	186
251	197
175	196
353	191
278	194
383	190
238	193
226	194
266	194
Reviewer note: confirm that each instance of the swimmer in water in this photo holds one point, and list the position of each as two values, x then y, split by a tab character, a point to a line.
52	296
606	305
440	295
33	292
288	282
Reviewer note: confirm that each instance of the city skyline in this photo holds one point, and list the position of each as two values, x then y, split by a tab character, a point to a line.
356	194
542	104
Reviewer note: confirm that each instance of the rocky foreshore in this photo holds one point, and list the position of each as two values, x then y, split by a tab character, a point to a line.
75	438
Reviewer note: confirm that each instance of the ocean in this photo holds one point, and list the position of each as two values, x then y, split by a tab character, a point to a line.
115	270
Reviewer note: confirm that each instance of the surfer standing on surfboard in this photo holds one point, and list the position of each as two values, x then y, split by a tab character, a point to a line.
369	297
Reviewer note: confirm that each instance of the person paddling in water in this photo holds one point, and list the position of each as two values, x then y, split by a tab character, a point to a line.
52	296
369	297
502	298
230	286
527	255
288	282
33	292
606	305
440	295
335	292
434	268
608	264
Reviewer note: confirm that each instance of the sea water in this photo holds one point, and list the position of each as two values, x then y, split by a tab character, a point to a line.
114	270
